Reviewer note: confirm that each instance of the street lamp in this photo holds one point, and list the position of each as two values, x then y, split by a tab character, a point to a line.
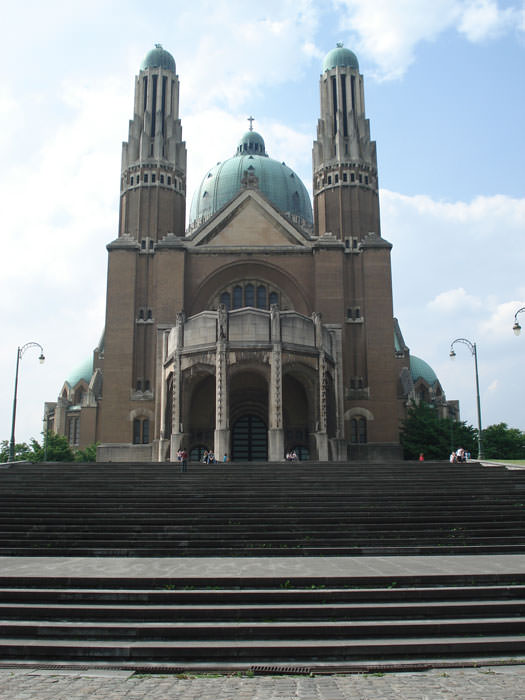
19	354
516	327
473	350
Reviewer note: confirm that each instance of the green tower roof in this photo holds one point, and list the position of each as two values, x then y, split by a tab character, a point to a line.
276	181
158	58
340	57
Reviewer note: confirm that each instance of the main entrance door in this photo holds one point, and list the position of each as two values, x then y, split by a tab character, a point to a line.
249	439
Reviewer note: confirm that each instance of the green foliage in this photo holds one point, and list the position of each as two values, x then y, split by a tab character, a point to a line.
424	431
22	452
57	449
88	454
502	442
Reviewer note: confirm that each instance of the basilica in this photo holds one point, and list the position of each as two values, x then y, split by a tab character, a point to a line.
262	326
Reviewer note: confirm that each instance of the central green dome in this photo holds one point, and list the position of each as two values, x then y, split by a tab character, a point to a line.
276	181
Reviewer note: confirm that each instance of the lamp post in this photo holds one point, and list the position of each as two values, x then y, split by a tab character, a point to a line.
19	354
516	327
474	352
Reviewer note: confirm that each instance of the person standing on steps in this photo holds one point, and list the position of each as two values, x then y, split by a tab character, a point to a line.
183	460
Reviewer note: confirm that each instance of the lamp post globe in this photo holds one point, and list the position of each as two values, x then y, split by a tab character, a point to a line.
516	327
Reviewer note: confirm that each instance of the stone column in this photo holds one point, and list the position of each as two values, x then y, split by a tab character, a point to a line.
275	404
222	404
321	436
338	443
160	444
177	429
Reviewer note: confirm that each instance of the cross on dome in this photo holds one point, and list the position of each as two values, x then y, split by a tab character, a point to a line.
251	120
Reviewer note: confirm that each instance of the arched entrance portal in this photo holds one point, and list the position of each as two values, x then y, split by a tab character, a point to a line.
249	415
249	439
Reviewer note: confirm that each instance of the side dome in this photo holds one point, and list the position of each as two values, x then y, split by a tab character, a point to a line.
84	371
340	57
419	369
158	58
275	180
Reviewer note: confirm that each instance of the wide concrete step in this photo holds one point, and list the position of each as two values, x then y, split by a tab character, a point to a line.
327	612
260	650
122	593
264	630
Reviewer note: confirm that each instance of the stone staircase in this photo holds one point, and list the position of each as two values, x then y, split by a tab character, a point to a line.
260	509
294	622
272	623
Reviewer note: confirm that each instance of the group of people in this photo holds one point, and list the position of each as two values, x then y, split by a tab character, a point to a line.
291	456
460	455
208	457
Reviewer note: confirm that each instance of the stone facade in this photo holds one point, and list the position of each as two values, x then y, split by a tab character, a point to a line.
250	332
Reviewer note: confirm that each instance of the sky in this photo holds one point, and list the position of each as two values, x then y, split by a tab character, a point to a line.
444	92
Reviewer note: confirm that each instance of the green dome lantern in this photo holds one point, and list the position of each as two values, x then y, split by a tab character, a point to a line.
276	181
340	57
158	58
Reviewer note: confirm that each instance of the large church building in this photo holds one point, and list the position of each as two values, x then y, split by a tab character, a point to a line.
263	326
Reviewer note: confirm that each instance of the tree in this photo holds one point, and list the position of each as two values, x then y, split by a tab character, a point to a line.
56	450
88	454
22	452
424	431
502	442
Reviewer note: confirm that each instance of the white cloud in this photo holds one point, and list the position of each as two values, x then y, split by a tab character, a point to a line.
483	19
493	386
265	45
497	326
455	301
387	33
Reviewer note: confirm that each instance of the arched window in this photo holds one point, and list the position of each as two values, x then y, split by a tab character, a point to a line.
249	295
237	296
358	430
261	297
79	395
141	431
74	430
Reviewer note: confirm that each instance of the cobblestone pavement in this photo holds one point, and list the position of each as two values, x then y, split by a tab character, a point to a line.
490	683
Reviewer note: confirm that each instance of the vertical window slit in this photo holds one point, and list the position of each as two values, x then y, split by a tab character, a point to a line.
343	95
334	101
163	103
154	105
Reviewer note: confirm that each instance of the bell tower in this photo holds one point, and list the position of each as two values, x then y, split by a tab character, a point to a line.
141	294
153	178
346	211
345	184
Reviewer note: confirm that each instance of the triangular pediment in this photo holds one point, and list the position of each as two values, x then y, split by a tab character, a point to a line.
249	220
